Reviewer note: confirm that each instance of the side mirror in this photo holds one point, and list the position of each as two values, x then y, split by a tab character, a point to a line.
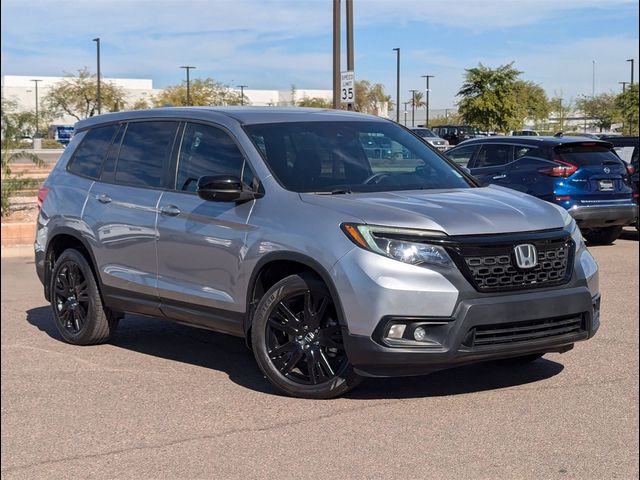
224	188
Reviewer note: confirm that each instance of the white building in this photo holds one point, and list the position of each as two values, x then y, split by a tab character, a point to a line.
21	89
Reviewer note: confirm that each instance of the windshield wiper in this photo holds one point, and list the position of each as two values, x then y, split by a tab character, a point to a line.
340	191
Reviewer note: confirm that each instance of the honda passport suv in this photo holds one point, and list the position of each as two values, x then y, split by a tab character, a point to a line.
275	225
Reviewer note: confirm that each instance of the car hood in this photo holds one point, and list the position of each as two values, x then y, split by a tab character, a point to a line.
468	211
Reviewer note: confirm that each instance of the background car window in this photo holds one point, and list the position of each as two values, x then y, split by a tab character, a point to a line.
625	153
145	153
462	155
493	154
585	154
520	151
87	160
206	150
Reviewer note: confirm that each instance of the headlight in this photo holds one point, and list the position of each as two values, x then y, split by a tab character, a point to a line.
405	245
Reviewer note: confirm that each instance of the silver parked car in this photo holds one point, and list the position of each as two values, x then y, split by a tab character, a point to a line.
428	135
333	261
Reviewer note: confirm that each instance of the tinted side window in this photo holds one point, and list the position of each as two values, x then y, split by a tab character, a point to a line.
462	155
145	151
493	154
520	151
206	150
87	160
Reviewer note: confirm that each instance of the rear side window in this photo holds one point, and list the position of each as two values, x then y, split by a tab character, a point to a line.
493	154
206	150
585	154
145	153
520	151
462	155
87	160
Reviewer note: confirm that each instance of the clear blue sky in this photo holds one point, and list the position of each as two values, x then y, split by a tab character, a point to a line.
272	44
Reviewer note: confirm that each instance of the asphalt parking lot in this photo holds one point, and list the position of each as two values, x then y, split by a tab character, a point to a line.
169	401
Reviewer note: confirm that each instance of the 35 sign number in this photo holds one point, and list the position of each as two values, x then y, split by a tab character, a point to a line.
347	81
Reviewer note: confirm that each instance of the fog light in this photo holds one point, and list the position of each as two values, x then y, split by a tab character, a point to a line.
396	330
420	334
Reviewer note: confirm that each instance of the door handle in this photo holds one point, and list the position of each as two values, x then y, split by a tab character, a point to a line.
102	198
170	210
498	177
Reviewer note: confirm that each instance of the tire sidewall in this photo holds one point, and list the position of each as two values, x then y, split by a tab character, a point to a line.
344	380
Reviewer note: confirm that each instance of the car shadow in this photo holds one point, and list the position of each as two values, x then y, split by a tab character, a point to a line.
630	234
217	351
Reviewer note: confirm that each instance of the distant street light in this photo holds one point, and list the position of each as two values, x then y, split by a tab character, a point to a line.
413	107
631	60
37	111
426	104
242	87
188	68
98	97
593	79
405	111
397	50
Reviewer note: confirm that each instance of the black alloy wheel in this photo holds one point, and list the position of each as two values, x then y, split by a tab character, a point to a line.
71	297
298	340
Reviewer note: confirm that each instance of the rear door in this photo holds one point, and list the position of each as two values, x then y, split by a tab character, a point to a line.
600	174
490	163
122	208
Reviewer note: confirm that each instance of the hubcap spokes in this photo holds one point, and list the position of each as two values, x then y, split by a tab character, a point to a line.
71	297
304	339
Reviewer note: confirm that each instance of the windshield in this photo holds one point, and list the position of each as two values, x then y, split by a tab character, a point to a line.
585	154
343	157
423	132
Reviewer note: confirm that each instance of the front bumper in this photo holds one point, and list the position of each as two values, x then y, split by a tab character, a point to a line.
452	342
600	216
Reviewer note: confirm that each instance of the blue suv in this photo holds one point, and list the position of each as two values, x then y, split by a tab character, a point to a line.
584	176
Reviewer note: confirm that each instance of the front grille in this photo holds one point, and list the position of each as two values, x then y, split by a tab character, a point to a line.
489	263
497	271
515	332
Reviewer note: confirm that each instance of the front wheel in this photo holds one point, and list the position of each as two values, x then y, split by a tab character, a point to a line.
603	236
297	340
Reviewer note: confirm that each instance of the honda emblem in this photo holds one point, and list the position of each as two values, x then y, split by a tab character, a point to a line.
526	256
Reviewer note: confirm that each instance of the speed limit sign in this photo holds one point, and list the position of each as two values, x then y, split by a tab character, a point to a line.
347	88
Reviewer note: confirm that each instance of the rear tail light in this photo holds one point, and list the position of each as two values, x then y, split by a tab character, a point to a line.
635	196
563	198
630	169
563	169
42	194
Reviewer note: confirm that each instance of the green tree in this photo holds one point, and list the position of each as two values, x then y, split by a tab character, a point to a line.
315	102
369	98
488	98
10	134
559	108
203	92
532	102
602	108
140	104
627	105
76	96
418	99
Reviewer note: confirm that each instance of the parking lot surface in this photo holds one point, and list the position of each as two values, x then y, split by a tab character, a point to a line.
169	401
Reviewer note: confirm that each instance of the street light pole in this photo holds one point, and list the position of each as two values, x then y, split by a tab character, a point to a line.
397	50
426	104
242	87
187	68
98	97
36	135
631	60
413	107
336	54
593	79
405	112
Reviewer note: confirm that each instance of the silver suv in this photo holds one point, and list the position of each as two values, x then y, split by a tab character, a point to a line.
280	226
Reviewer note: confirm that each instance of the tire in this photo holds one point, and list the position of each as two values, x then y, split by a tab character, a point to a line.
297	340
603	236
523	360
78	312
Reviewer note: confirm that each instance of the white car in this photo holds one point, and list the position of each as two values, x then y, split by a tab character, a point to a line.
425	133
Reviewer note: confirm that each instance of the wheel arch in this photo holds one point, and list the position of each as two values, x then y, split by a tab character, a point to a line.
290	264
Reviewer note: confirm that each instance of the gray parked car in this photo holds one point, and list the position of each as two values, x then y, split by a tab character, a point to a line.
277	225
426	134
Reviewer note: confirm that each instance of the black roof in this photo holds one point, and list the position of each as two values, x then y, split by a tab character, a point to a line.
534	140
244	115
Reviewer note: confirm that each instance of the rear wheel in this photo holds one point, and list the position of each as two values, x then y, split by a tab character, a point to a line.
603	236
297	340
77	306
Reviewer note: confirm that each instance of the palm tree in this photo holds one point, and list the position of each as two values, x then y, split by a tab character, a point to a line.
418	99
